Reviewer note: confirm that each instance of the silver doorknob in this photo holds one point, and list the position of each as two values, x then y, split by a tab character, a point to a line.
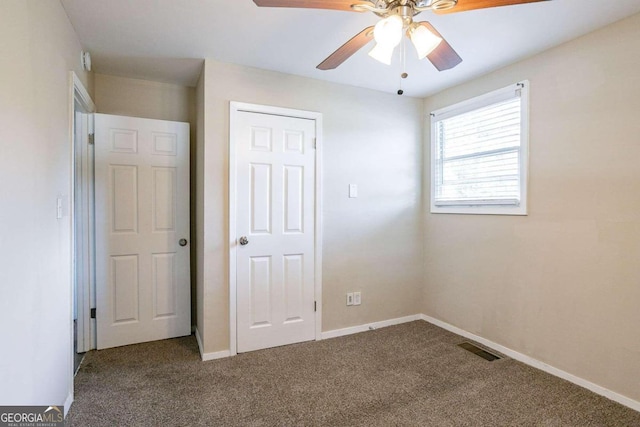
182	242
244	241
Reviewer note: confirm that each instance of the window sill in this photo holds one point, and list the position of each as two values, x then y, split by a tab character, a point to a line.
480	210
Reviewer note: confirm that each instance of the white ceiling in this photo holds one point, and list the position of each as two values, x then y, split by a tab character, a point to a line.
166	40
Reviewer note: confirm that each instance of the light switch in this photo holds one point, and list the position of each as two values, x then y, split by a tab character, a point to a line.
59	208
353	191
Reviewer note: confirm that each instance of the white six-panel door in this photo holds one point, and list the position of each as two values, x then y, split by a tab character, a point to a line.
142	213
275	196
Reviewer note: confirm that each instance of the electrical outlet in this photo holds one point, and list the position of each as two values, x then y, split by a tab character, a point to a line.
357	298
350	298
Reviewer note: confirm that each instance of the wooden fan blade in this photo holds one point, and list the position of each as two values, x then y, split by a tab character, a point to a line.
443	57
346	50
311	4
464	5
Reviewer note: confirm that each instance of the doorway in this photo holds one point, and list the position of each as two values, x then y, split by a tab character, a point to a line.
275	226
82	220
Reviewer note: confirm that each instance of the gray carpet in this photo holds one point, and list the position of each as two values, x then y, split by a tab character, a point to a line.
407	375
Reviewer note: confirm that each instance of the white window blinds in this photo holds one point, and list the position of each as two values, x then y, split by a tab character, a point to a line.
478	152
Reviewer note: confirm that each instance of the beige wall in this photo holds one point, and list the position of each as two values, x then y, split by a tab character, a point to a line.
38	49
373	243
154	100
562	284
141	98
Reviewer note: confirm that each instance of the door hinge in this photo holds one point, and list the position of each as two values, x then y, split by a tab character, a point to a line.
315	143
315	306
93	313
91	138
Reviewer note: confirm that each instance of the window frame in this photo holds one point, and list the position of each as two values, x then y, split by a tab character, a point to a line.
474	104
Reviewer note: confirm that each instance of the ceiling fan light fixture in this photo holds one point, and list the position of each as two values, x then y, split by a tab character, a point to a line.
387	34
382	53
423	40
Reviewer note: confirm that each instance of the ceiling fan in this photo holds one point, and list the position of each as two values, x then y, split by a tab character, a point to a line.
397	20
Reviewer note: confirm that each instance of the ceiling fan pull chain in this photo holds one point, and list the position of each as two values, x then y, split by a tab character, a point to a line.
403	65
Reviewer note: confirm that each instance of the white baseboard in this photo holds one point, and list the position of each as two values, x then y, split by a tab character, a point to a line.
67	404
375	325
527	360
209	356
215	355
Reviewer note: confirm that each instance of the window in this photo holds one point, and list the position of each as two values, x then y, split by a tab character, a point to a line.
479	154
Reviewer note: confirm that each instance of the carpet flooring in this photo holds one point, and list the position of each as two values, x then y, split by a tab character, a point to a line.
407	375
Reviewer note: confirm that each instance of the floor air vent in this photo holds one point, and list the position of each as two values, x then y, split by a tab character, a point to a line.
478	351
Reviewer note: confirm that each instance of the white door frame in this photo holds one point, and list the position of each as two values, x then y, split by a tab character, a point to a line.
78	93
84	293
234	109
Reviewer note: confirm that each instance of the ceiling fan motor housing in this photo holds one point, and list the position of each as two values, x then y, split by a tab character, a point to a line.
407	9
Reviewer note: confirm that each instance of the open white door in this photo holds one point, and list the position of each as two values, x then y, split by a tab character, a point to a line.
275	229
142	227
